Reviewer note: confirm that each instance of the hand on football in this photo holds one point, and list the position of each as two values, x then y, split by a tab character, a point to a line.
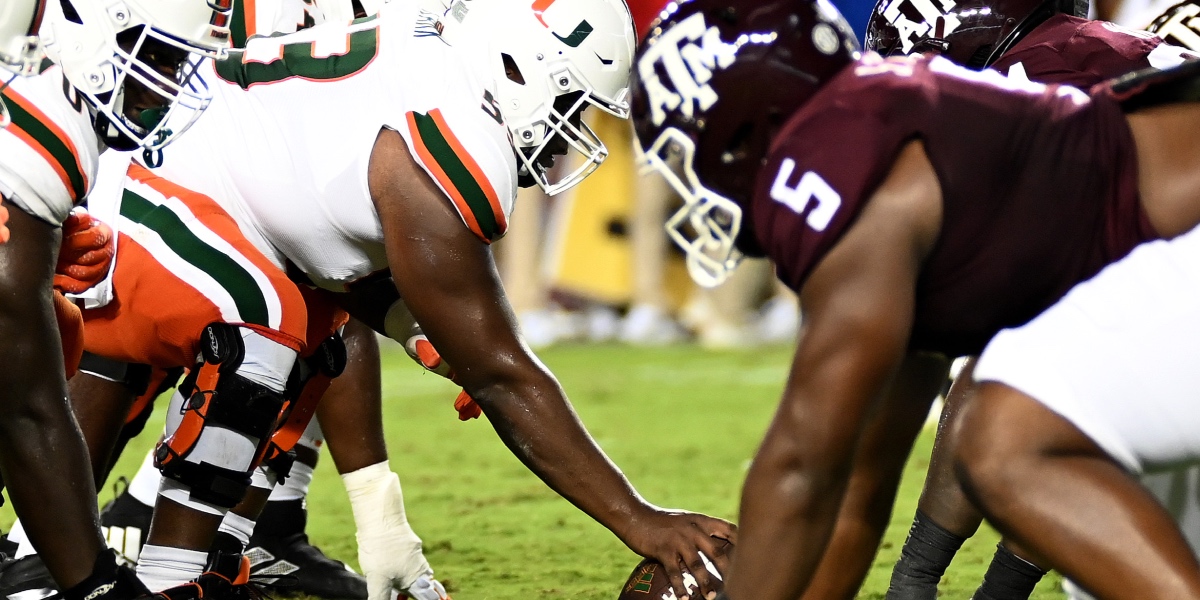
676	539
85	254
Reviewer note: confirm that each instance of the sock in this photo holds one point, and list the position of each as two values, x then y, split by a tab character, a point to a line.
237	526
926	554
295	487
1009	577
144	487
281	518
17	536
162	567
107	581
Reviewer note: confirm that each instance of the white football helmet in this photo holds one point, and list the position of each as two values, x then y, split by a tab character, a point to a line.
551	59
138	57
20	51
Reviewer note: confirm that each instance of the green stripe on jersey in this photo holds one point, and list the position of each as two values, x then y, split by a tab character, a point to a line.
236	280
53	145
237	24
460	176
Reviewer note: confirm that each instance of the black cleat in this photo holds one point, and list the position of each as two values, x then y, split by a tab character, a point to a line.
280	550
272	559
26	579
125	523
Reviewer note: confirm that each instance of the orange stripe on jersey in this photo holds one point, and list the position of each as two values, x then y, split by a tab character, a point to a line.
251	14
447	184
45	137
473	167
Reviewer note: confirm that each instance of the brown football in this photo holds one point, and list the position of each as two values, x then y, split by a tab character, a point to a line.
647	582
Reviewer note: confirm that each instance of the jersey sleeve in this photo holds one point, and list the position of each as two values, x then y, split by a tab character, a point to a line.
469	158
824	166
48	152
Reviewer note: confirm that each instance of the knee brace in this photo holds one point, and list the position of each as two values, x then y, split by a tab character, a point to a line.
308	384
222	409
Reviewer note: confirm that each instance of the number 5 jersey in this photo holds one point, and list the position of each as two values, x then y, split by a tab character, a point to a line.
1039	188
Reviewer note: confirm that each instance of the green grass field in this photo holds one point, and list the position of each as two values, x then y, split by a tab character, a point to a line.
681	422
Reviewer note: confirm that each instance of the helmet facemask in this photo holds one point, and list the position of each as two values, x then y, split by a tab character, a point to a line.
707	226
135	62
554	127
20	49
139	75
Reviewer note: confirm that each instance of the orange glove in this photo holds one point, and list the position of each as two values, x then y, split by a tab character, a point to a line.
466	407
70	328
85	254
4	233
420	350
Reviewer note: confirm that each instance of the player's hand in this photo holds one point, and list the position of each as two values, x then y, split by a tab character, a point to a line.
70	328
677	539
422	351
85	254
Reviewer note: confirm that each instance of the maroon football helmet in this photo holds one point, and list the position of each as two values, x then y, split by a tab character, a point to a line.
1180	25
972	33
715	80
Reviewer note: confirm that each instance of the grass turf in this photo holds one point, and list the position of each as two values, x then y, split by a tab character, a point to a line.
681	422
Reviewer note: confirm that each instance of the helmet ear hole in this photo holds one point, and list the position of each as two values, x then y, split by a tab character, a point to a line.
70	13
512	70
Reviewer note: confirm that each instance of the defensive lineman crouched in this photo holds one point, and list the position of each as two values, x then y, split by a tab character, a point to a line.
917	206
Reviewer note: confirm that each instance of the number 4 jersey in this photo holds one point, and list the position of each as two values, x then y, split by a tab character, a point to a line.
1039	188
286	143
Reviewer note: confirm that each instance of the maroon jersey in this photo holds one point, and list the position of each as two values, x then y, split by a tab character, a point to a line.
1082	53
1039	188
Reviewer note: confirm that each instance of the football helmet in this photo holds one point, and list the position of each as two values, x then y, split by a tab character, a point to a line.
715	80
1179	25
550	60
972	33
134	62
20	50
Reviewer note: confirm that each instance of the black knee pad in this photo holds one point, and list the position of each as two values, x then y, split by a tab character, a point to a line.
217	396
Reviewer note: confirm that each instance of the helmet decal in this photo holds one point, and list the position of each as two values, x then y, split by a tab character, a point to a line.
931	15
1179	25
582	30
688	65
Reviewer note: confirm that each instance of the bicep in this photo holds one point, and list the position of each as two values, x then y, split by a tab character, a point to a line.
443	271
859	303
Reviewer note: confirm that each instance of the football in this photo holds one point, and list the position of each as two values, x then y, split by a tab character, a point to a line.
650	582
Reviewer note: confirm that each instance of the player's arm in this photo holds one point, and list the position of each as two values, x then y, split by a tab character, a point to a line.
859	305
450	284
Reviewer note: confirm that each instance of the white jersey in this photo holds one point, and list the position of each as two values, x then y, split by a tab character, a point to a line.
286	142
48	153
266	17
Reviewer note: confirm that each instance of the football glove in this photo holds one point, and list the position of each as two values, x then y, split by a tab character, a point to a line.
419	349
85	254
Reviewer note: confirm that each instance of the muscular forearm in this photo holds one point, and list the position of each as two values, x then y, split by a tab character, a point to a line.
535	420
42	453
789	506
